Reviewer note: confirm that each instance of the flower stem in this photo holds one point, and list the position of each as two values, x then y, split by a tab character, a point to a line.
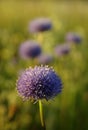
39	38
41	113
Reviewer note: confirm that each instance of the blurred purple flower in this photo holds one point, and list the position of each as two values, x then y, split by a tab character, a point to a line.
40	25
77	39
44	59
29	49
73	37
40	82
62	49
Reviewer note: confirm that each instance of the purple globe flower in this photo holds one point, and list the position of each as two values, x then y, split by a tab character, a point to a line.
77	39
69	37
40	25
29	49
62	49
40	82
44	59
73	37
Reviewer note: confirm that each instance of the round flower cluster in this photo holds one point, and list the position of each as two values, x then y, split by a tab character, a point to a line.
40	82
62	49
45	59
40	25
29	49
73	37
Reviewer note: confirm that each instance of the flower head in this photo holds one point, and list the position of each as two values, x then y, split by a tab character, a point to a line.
77	38
40	25
44	59
73	37
63	49
29	49
40	82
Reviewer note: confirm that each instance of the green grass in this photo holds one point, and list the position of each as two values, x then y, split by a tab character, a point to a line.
69	110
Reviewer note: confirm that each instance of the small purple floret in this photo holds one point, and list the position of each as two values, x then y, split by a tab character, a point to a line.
77	39
45	59
29	49
62	49
73	37
40	82
40	25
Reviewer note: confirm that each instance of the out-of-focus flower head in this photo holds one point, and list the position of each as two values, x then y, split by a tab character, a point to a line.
44	59
62	49
73	38
40	25
40	82
29	49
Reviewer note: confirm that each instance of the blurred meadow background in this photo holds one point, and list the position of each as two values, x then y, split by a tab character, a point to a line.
69	110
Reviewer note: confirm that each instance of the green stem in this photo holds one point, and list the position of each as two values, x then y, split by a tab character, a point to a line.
40	38
41	113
